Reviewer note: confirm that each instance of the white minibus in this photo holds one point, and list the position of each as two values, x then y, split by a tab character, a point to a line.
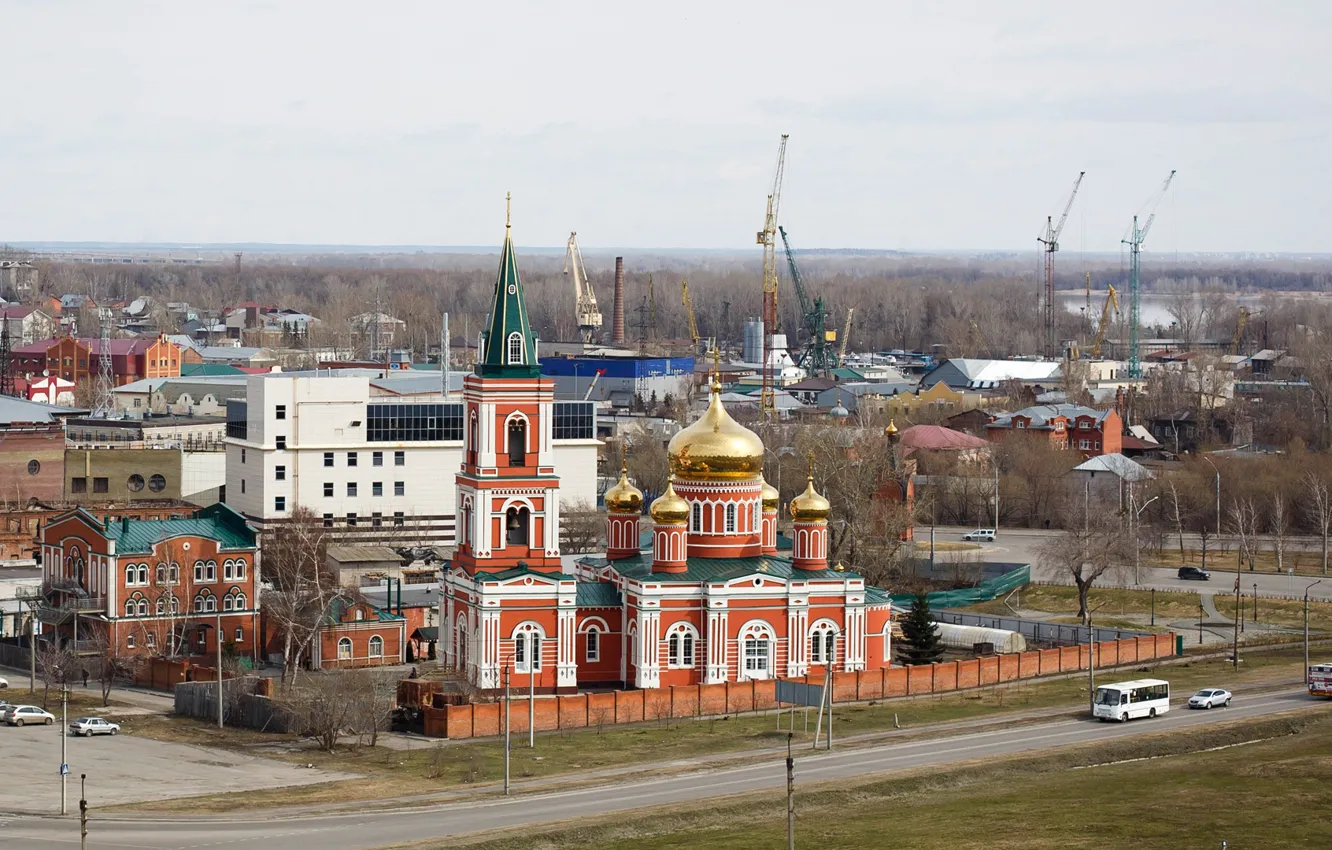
1127	700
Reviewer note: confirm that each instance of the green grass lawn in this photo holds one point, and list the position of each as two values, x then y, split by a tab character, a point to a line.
81	704
1302	561
1105	602
430	767
1168	791
1281	612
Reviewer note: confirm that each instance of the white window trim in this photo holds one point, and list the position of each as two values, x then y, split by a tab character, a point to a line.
511	350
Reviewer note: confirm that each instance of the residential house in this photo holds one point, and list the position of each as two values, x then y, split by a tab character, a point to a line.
358	634
17	276
21	524
151	587
26	324
77	359
245	356
1067	426
1106	479
32	450
961	373
939	399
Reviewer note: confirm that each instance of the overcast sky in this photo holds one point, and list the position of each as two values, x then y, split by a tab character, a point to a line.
913	126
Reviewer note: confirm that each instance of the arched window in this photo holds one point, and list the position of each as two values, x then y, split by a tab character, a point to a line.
227	569
198	570
696	517
823	643
515	349
344	649
130	573
527	648
161	574
240	569
730	518
239	603
143	607
681	641
130	608
152	640
756	655
174	573
226	602
594	644
517	441
376	646
160	606
143	574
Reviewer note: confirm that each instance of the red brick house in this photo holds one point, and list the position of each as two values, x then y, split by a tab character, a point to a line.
357	634
1067	426
151	587
76	358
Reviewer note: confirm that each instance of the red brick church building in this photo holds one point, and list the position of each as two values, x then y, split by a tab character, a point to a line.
694	592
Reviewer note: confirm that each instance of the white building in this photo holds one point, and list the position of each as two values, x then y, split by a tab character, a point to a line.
377	469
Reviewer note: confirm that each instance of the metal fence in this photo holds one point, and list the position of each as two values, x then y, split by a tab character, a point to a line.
1036	631
240	705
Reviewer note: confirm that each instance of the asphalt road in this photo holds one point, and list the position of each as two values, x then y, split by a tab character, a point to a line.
1022	544
389	828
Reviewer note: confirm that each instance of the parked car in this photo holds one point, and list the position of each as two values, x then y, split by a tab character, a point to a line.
1194	574
4	683
980	534
93	726
20	715
1208	697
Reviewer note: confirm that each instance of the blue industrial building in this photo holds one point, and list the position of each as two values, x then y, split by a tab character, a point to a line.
618	379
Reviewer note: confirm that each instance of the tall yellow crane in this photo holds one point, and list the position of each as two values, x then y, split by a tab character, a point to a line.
1111	299
767	237
689	311
846	334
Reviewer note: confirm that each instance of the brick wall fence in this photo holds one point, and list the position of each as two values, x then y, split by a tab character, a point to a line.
478	720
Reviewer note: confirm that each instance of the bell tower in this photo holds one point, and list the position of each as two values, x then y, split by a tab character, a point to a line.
508	493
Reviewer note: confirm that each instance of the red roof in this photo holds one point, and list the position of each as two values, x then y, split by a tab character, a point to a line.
939	438
14	311
119	347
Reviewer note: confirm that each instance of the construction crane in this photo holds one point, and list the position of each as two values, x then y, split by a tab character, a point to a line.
1051	242
688	304
1241	320
818	357
767	237
1134	239
1111	298
593	384
589	316
846	334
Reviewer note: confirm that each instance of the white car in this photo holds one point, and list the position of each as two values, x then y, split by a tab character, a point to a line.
980	534
4	683
1208	697
93	726
20	715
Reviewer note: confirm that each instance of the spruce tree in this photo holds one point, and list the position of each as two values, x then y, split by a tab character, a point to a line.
920	642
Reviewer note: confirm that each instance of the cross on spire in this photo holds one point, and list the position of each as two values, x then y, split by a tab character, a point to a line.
508	206
811	465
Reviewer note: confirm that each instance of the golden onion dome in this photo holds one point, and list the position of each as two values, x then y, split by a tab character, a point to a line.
891	430
809	505
769	495
669	508
716	447
623	497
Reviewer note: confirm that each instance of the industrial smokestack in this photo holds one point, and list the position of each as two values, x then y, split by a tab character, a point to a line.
617	323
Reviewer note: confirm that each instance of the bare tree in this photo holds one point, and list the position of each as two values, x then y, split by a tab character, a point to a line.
303	589
1244	525
114	666
582	528
56	665
1084	554
322	707
1278	526
1318	508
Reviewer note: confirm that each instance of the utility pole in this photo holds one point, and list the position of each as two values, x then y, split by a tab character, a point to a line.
83	811
506	730
64	738
219	669
531	708
32	649
1306	628
444	355
790	794
1091	665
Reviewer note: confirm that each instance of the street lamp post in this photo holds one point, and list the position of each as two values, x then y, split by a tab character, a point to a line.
1306	630
1135	513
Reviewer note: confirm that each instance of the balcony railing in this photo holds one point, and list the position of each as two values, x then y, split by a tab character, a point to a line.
64	611
28	592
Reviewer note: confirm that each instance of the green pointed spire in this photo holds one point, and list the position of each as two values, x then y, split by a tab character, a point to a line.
501	354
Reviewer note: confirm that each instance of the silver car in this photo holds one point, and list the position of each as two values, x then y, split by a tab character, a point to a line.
1208	697
22	715
93	726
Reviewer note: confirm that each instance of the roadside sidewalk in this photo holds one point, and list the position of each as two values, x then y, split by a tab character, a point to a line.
140	701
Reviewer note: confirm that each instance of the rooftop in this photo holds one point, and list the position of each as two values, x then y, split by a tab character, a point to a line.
15	411
702	570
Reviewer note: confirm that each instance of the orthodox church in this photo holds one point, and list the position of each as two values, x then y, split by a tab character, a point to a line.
695	592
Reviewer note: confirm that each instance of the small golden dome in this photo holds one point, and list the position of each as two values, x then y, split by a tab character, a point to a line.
891	430
771	498
669	508
623	497
716	447
809	506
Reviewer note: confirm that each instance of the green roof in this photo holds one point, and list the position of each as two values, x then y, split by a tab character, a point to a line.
195	370
508	316
715	569
845	374
338	608
218	522
598	594
876	596
518	572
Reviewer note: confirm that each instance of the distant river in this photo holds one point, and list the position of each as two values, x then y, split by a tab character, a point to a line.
1155	308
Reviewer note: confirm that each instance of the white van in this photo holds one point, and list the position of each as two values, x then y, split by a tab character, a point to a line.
980	535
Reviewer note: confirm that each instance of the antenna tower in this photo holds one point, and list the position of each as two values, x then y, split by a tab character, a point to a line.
104	404
6	365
